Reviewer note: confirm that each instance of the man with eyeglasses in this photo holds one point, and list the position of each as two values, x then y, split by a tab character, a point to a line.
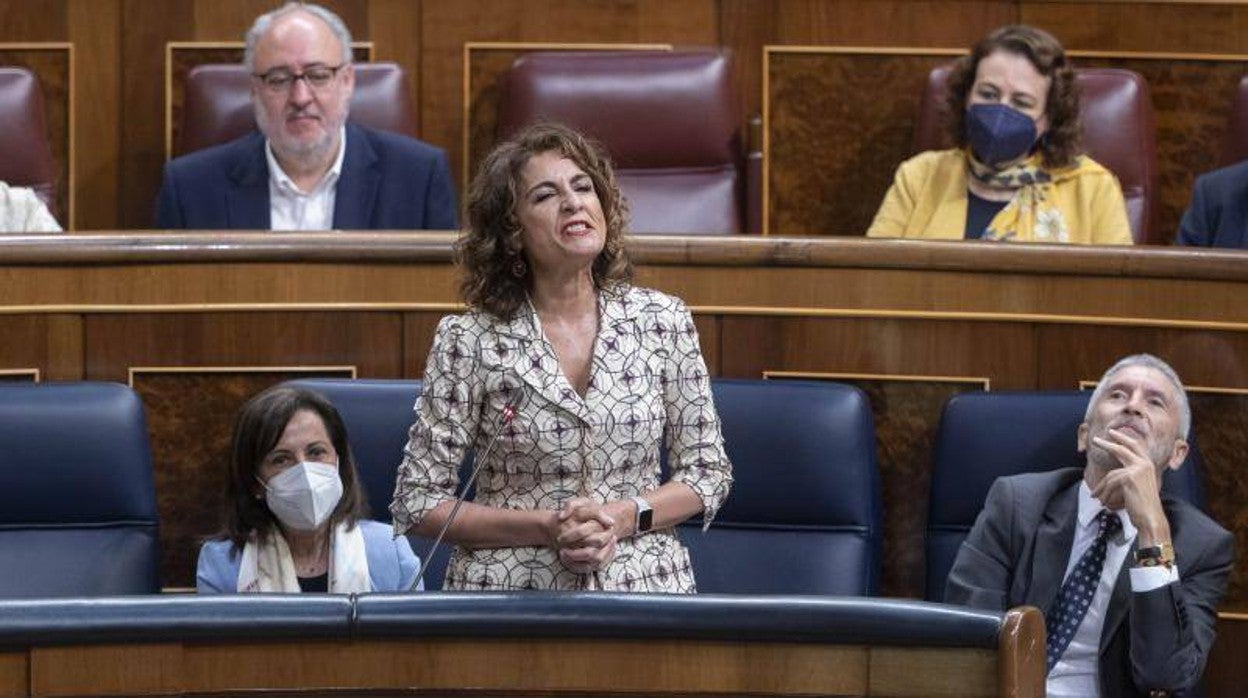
307	168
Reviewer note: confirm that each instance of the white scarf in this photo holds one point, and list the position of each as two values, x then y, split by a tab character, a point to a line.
21	211
267	565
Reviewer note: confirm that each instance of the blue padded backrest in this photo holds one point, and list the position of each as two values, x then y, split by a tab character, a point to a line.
378	414
803	516
77	501
983	436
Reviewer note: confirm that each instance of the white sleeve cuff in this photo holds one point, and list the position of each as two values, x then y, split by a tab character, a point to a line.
1149	578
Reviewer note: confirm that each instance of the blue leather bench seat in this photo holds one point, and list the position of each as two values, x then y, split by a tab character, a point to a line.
744	618
740	618
804	513
77	499
175	617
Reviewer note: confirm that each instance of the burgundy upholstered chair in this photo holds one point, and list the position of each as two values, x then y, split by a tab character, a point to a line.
216	107
1235	142
27	155
1118	132
667	118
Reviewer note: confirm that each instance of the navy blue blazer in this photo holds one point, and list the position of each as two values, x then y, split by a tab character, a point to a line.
388	182
1218	214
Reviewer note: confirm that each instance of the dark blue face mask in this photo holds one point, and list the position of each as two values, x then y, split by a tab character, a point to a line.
999	134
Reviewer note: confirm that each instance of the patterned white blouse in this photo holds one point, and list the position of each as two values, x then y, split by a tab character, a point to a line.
647	377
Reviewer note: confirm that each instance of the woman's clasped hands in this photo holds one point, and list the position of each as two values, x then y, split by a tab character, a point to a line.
585	533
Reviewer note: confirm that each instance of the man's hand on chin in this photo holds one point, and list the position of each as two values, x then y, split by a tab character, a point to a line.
1135	486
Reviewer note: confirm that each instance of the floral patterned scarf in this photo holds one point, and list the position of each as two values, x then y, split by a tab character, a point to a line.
1030	216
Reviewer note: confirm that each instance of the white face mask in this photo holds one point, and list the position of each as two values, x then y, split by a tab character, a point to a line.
303	496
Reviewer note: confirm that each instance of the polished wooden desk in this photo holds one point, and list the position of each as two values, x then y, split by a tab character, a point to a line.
528	644
196	322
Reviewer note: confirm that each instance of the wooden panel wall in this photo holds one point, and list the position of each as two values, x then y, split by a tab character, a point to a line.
860	140
118	100
748	25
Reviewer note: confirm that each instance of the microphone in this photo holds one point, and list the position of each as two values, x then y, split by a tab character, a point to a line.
509	413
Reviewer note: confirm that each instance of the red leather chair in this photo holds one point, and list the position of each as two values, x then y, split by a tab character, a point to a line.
667	118
1118	132
27	155
1235	142
216	106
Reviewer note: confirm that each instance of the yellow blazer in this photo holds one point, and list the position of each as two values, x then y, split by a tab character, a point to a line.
928	200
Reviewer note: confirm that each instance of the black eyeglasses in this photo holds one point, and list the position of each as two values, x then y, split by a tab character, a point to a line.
281	80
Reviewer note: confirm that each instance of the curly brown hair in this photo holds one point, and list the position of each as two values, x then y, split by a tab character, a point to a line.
1060	144
257	429
490	248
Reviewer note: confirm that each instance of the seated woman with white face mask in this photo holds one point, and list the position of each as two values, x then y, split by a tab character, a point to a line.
1017	171
294	508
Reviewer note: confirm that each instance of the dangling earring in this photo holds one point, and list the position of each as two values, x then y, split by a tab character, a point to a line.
519	268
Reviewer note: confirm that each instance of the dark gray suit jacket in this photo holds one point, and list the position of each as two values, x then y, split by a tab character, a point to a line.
1017	554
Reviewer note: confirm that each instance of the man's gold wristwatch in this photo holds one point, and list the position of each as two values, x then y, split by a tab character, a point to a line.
1160	555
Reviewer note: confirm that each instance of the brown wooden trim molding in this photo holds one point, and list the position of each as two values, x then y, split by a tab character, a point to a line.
1201	389
657	250
1022	653
985	384
137	371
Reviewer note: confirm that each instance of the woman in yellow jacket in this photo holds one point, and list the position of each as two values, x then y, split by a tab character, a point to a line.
1017	173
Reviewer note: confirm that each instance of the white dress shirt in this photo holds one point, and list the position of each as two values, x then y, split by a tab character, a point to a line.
1076	673
290	208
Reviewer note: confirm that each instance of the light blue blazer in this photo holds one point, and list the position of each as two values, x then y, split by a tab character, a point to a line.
392	566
